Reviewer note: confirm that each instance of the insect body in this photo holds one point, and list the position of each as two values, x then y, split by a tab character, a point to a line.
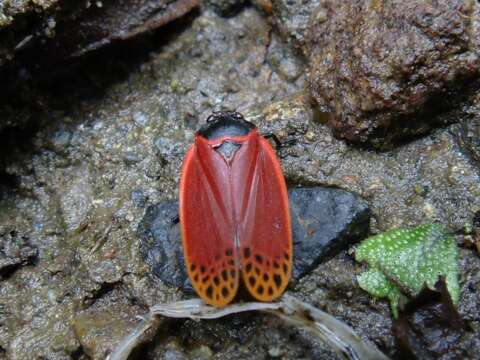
234	213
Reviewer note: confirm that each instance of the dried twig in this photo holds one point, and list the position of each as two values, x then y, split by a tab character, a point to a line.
338	335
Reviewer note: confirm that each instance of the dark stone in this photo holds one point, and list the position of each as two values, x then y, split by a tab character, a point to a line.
388	70
161	245
226	8
324	222
15	251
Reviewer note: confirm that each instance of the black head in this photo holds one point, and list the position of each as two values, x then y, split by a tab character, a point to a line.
225	123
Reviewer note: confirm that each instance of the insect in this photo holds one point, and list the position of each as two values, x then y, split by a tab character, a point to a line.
234	213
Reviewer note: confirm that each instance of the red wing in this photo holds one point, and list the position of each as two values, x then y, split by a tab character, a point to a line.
262	213
208	230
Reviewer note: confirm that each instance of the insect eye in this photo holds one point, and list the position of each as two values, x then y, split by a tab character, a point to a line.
236	115
216	116
211	118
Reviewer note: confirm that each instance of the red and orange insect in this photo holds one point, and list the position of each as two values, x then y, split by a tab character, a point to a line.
234	213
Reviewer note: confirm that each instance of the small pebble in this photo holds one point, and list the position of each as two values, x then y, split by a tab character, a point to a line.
275	352
140	118
310	136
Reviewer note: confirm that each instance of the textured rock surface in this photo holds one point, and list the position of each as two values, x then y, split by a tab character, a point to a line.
15	251
293	19
385	69
9	9
53	30
99	329
428	180
324	222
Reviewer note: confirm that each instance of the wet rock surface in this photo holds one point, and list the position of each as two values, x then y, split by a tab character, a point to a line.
9	9
385	69
104	140
15	251
58	30
293	19
324	222
416	183
99	328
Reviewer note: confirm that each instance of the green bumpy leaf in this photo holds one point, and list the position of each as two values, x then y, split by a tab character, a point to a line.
403	260
376	284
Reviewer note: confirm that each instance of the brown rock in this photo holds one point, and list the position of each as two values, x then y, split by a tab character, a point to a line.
99	332
386	68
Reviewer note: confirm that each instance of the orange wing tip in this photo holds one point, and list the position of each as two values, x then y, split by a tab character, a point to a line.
265	278
216	285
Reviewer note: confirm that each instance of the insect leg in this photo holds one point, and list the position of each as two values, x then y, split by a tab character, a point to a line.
174	220
278	144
